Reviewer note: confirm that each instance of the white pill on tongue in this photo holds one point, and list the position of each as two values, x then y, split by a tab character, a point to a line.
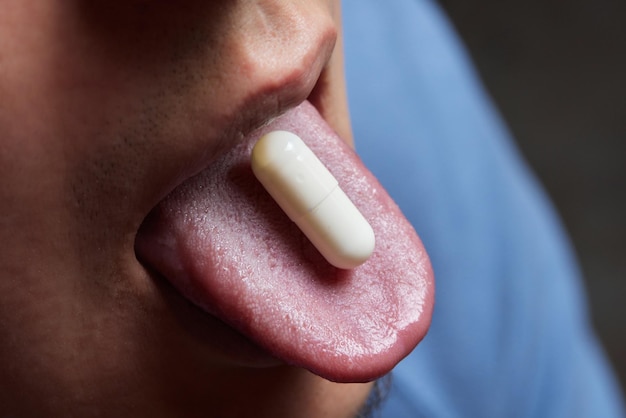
225	245
312	198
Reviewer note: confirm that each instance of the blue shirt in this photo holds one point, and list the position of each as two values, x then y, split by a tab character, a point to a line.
510	335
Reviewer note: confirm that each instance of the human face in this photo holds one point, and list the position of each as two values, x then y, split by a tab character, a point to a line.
107	109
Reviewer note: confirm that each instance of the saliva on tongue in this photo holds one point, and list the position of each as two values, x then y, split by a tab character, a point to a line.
225	245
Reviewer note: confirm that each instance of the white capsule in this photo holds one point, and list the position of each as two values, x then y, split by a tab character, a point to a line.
312	198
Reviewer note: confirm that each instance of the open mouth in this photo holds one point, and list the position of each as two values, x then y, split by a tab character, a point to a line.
225	245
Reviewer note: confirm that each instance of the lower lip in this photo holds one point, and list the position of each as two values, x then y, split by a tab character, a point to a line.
225	345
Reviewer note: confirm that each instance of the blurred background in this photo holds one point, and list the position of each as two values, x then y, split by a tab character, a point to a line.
557	71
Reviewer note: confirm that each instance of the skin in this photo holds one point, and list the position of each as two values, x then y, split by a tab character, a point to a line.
106	107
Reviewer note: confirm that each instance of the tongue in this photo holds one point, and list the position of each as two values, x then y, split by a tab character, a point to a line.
224	243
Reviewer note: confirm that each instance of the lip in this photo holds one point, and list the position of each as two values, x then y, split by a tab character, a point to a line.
221	343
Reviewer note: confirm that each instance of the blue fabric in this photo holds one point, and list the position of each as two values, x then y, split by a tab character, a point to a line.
510	335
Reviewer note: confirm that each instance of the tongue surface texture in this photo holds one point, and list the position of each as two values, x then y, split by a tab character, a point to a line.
224	243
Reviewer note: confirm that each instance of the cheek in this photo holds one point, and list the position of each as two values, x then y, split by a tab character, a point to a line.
75	134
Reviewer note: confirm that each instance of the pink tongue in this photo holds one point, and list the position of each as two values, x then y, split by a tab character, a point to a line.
225	244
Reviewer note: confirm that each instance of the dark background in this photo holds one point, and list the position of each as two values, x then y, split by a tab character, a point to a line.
557	71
